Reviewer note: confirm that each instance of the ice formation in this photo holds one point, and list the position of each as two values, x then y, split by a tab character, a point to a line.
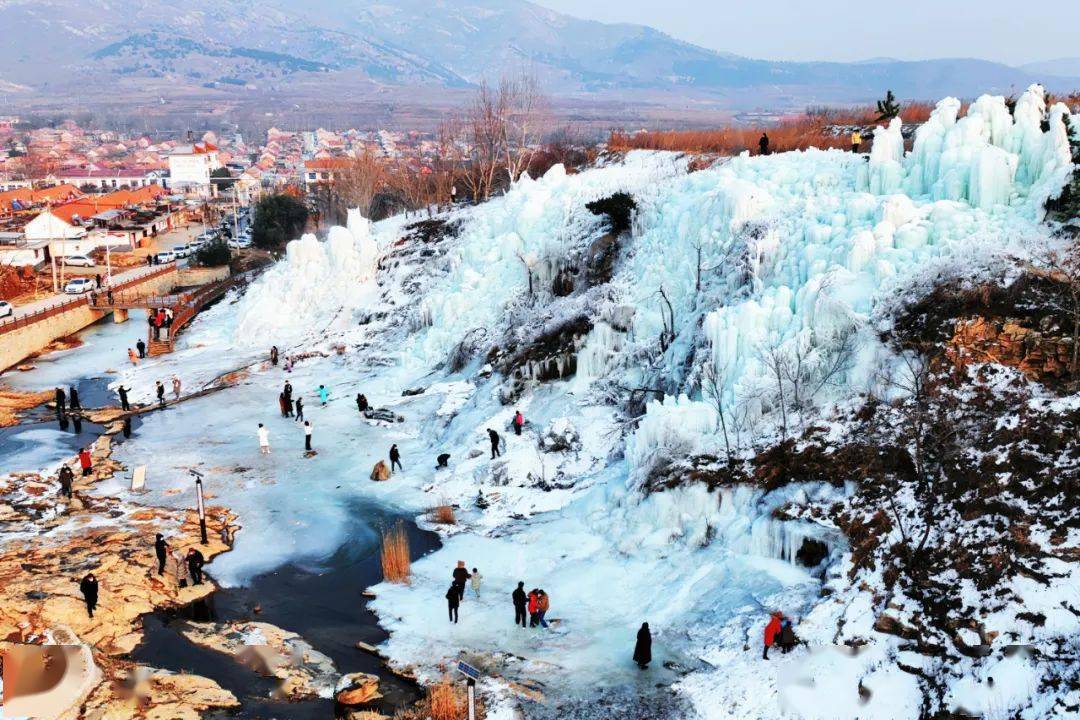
791	253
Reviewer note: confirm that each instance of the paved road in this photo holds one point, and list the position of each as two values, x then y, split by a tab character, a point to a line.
30	308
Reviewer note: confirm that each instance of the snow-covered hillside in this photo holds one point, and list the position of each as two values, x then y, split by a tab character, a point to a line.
666	372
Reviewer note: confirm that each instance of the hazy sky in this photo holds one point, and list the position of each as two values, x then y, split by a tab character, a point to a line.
1001	30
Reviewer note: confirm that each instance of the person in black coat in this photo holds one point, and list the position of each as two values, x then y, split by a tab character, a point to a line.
763	144
521	600
89	589
60	401
443	460
195	561
461	576
66	478
161	393
299	410
141	347
122	392
395	458
494	437
361	402
73	399
643	647
161	549
453	600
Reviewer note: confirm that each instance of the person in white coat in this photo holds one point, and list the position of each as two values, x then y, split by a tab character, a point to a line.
264	440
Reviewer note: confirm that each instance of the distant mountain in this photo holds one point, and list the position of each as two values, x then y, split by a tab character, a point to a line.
360	48
1062	67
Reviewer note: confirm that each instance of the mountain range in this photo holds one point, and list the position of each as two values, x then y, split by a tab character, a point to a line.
361	48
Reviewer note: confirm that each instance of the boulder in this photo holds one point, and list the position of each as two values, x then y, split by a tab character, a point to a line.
357	689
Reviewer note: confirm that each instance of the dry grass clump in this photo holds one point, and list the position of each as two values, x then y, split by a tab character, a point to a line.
445	702
395	554
443	514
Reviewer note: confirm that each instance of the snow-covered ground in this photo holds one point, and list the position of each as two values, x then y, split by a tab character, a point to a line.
799	253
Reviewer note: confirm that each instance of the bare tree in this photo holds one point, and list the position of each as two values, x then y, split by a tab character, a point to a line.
359	180
526	119
776	360
668	335
713	380
486	133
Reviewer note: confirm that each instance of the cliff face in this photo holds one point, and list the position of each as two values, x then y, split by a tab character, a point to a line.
1038	354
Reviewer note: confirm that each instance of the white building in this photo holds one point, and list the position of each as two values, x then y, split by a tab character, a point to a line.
190	167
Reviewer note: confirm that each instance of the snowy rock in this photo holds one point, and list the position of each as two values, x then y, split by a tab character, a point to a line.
560	436
357	689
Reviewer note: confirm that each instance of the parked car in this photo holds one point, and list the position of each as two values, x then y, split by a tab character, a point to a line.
77	261
6	309
206	237
181	251
76	286
239	243
165	257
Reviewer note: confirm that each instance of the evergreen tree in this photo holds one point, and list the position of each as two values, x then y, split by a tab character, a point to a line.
888	108
278	219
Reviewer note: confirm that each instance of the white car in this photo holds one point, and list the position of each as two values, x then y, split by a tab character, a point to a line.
165	257
6	309
77	261
239	243
77	286
181	251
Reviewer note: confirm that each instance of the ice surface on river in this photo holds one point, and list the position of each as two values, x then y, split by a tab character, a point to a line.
795	252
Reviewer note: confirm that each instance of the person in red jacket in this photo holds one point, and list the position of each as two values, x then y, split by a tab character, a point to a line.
85	462
772	631
519	422
534	607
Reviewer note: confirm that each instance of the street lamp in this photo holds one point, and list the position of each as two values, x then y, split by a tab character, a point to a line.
202	506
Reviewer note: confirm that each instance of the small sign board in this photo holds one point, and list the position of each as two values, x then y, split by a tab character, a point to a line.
468	670
138	479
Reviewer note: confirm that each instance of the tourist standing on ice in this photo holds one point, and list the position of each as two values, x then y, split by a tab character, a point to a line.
361	402
772	630
519	422
474	581
161	549
60	401
395	458
453	600
160	394
67	477
176	387
786	639
307	436
195	562
494	437
89	589
521	601
299	409
264	440
122	392
180	567
273	355
133	357
856	141
534	606
763	144
442	461
86	462
141	347
543	602
73	398
287	393
323	394
461	576
643	647
281	404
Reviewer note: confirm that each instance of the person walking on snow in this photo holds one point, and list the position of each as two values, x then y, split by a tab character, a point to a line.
361	402
160	394
474	582
494	437
323	394
176	387
67	477
772	630
161	549
299	409
453	600
73	399
643	647
86	462
122	392
141	347
520	603
461	576
395	458
264	440
195	562
273	355
534	605
856	141
307	436
763	144
89	589
519	421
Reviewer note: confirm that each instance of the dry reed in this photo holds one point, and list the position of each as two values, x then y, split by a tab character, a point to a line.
445	702
395	554
443	514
